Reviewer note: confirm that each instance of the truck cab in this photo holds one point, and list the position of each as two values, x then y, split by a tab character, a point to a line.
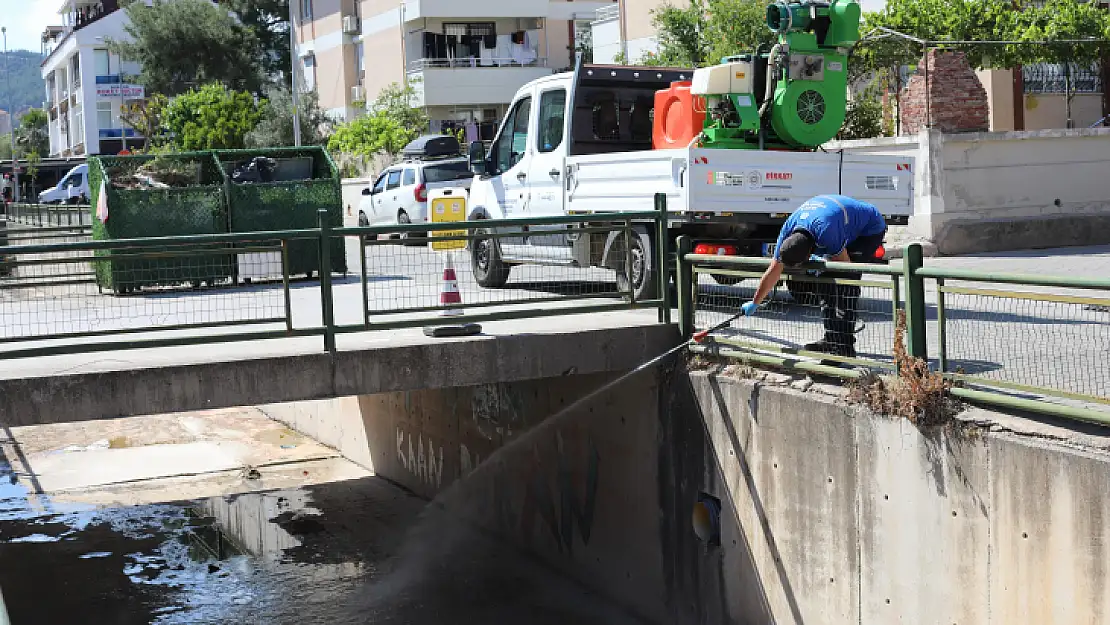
73	188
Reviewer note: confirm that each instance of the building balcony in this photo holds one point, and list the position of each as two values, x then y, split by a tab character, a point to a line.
423	9
443	82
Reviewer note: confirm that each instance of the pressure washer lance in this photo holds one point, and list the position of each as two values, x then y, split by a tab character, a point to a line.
698	337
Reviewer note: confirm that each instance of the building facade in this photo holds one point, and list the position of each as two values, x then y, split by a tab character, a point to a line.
464	59
86	85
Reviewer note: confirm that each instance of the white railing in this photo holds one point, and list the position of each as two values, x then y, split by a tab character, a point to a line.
607	13
472	62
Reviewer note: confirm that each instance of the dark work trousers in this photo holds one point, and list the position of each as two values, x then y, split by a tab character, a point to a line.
839	301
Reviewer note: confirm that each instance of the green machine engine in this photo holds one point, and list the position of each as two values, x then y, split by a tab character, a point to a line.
790	96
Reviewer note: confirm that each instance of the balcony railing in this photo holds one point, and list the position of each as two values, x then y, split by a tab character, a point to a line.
1055	78
470	62
608	13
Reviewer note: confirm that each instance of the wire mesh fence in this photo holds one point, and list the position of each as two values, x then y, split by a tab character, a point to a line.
570	268
1037	342
829	316
52	302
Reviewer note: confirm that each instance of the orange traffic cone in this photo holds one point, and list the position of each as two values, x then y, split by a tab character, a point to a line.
449	293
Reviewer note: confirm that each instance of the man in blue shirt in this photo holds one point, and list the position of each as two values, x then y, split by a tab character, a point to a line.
838	228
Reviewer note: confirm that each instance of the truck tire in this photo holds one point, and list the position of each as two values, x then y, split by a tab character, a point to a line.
804	293
727	280
490	272
644	280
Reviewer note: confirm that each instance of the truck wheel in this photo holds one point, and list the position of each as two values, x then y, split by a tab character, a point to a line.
643	281
727	280
490	271
804	293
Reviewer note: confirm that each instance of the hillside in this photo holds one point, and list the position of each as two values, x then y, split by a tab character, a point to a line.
27	85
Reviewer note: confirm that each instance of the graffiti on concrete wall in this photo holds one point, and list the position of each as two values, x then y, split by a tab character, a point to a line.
496	410
559	492
421	458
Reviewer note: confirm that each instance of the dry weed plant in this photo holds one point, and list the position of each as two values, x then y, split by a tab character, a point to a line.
915	393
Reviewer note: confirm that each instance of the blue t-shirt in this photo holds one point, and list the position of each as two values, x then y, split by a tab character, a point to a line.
834	221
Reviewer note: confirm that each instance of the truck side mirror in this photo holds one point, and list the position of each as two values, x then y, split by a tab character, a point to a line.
478	157
367	191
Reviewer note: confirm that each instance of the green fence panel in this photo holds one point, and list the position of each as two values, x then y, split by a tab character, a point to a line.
306	180
199	208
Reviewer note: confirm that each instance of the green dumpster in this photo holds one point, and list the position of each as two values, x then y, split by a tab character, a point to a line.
303	181
139	204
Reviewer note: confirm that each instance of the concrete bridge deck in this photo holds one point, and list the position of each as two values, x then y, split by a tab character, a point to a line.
176	379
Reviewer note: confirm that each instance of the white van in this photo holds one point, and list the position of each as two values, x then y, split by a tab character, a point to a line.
72	189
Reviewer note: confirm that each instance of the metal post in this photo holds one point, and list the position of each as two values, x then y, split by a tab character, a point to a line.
294	88
326	302
16	196
942	348
365	286
285	285
685	284
663	245
915	302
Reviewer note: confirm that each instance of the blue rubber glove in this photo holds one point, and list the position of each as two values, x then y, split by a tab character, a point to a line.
750	309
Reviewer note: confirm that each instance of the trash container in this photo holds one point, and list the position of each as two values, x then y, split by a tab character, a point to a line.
284	192
157	196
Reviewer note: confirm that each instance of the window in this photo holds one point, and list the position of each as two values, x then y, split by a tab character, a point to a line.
552	112
103	115
410	177
394	180
75	180
310	72
513	142
359	61
77	70
446	172
379	184
101	63
306	9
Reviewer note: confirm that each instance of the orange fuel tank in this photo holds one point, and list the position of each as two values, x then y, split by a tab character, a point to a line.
679	117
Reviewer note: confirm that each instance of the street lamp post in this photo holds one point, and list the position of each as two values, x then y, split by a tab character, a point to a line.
11	114
293	75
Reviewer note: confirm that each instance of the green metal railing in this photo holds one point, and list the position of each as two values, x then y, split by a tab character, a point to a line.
1038	348
52	303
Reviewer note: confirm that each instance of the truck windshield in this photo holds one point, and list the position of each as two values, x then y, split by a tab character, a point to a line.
446	172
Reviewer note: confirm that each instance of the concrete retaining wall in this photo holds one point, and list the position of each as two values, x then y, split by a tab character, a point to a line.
836	516
983	192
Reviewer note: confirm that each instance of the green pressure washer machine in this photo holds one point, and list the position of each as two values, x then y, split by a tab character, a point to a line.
788	96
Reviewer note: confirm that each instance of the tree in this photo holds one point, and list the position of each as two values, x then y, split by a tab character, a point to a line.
864	118
34	159
212	118
268	20
182	44
391	124
32	136
276	126
146	118
708	30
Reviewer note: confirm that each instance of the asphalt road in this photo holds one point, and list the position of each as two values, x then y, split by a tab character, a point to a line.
1024	341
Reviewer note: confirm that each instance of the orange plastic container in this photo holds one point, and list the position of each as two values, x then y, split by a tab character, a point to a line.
679	117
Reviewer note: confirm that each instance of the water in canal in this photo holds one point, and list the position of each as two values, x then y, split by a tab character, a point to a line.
315	554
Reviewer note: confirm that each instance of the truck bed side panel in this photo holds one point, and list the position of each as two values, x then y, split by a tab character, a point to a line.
884	181
625	181
755	181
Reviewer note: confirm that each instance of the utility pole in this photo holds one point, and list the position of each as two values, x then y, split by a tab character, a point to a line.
11	114
293	87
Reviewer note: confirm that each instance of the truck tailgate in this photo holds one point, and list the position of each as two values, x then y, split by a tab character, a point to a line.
758	181
735	182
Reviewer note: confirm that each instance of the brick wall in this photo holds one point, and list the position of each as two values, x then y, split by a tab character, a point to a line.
955	95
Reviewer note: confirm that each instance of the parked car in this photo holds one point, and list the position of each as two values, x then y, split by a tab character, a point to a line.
73	188
399	194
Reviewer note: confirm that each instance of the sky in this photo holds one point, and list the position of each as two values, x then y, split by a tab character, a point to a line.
26	19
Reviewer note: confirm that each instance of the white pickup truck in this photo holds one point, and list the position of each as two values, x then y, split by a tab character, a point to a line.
581	143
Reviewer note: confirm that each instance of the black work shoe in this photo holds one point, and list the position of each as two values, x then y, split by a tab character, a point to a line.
836	349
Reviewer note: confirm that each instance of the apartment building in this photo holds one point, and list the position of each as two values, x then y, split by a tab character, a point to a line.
465	59
1027	98
86	85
